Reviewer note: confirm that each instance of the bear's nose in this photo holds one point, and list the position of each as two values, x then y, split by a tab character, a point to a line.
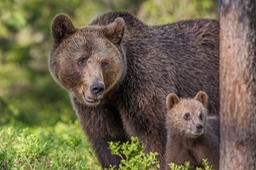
199	126
97	89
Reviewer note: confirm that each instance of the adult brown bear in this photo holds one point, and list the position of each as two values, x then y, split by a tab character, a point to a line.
119	71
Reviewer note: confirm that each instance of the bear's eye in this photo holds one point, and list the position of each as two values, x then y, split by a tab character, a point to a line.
82	62
186	116
104	64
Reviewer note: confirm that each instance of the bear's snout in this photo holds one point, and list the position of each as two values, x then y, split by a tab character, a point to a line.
97	88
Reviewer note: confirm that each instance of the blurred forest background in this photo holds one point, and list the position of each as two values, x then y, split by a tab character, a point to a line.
28	95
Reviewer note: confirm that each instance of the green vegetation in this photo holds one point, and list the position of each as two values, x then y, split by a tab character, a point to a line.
133	156
62	146
38	127
187	166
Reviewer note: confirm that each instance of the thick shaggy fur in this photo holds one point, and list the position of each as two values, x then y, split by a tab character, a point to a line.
137	66
192	135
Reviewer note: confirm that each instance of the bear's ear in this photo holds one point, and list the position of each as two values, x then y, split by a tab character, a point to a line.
171	100
115	30
202	97
62	26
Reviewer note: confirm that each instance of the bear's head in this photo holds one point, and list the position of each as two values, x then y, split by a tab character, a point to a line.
88	61
187	117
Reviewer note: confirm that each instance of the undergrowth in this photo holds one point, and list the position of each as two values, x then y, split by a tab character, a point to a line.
133	156
60	147
188	166
64	146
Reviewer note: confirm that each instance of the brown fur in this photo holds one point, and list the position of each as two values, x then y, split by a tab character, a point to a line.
194	137
135	66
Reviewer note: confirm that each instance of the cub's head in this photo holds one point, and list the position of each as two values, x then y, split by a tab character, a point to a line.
187	117
87	61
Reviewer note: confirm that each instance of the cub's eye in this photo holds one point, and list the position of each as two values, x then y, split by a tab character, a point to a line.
186	116
104	64
82	62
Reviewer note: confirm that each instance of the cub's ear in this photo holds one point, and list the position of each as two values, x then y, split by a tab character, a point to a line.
62	26
202	97
171	100
115	30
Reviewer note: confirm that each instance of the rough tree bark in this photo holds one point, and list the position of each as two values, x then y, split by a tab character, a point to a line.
238	84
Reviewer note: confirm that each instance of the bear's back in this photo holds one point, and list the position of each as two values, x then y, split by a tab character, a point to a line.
184	31
184	55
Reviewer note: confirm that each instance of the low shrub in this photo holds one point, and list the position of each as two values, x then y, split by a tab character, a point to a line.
60	147
64	146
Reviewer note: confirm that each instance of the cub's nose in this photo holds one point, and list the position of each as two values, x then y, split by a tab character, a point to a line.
97	89
199	126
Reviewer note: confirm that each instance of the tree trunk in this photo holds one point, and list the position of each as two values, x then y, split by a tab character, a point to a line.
238	84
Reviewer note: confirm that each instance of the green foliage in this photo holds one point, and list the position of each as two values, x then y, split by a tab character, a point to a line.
133	156
187	166
63	146
206	165
60	147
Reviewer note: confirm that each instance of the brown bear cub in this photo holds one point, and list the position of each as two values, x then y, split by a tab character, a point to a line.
192	135
119	70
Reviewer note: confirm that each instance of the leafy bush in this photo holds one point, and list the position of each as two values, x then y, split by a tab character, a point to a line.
63	146
60	147
187	166
133	156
